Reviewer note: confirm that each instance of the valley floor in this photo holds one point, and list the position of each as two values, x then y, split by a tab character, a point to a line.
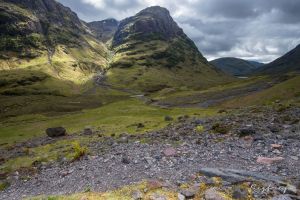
178	155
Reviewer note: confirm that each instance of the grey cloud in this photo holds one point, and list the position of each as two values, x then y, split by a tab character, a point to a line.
258	29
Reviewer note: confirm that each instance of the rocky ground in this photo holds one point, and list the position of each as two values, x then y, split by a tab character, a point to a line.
249	145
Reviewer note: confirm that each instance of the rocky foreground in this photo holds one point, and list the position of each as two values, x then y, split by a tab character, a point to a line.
255	153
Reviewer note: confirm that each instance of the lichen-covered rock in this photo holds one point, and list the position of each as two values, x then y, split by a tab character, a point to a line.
137	195
213	194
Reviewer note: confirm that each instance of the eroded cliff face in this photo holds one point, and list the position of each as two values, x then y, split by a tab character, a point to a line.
104	30
151	23
38	25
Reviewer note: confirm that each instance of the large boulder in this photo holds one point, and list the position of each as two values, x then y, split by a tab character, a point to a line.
56	132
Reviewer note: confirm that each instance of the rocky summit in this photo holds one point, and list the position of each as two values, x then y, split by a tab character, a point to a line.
151	23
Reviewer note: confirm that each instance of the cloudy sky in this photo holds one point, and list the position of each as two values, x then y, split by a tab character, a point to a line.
260	30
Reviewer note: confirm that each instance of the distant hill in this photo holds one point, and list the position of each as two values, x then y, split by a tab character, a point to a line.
289	62
236	66
104	30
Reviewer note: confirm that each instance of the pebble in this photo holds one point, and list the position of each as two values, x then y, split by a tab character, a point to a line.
269	161
213	194
180	197
156	196
294	157
137	195
170	152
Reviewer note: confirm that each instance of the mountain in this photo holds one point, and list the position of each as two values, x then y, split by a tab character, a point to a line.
236	66
152	53
104	30
46	36
256	64
290	62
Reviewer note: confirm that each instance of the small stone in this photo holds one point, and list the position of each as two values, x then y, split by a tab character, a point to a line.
277	151
125	160
188	194
154	184
169	152
140	125
180	197
137	195
294	157
56	132
239	193
246	132
269	161
282	197
87	131
248	141
168	118
297	184
276	146
65	173
213	194
156	196
274	129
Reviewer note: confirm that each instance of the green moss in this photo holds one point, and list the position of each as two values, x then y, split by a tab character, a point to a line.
220	128
3	185
199	128
79	150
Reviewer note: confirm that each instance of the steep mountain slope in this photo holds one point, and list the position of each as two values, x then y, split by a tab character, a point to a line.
290	62
104	30
256	64
44	35
153	53
236	66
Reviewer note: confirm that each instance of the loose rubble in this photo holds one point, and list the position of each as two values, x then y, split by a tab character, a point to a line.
179	154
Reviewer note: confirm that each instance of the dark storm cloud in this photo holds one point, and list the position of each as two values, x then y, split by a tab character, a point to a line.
253	29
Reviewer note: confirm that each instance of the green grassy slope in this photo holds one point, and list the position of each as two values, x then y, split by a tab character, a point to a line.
152	66
290	62
46	36
236	66
287	91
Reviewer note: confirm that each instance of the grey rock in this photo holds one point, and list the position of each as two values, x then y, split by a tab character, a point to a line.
156	196
246	132
87	131
137	195
282	197
125	160
180	196
56	132
168	118
239	193
213	194
294	158
189	193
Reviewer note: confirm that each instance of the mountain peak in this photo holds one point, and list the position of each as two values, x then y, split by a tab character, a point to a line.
154	10
290	62
149	24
